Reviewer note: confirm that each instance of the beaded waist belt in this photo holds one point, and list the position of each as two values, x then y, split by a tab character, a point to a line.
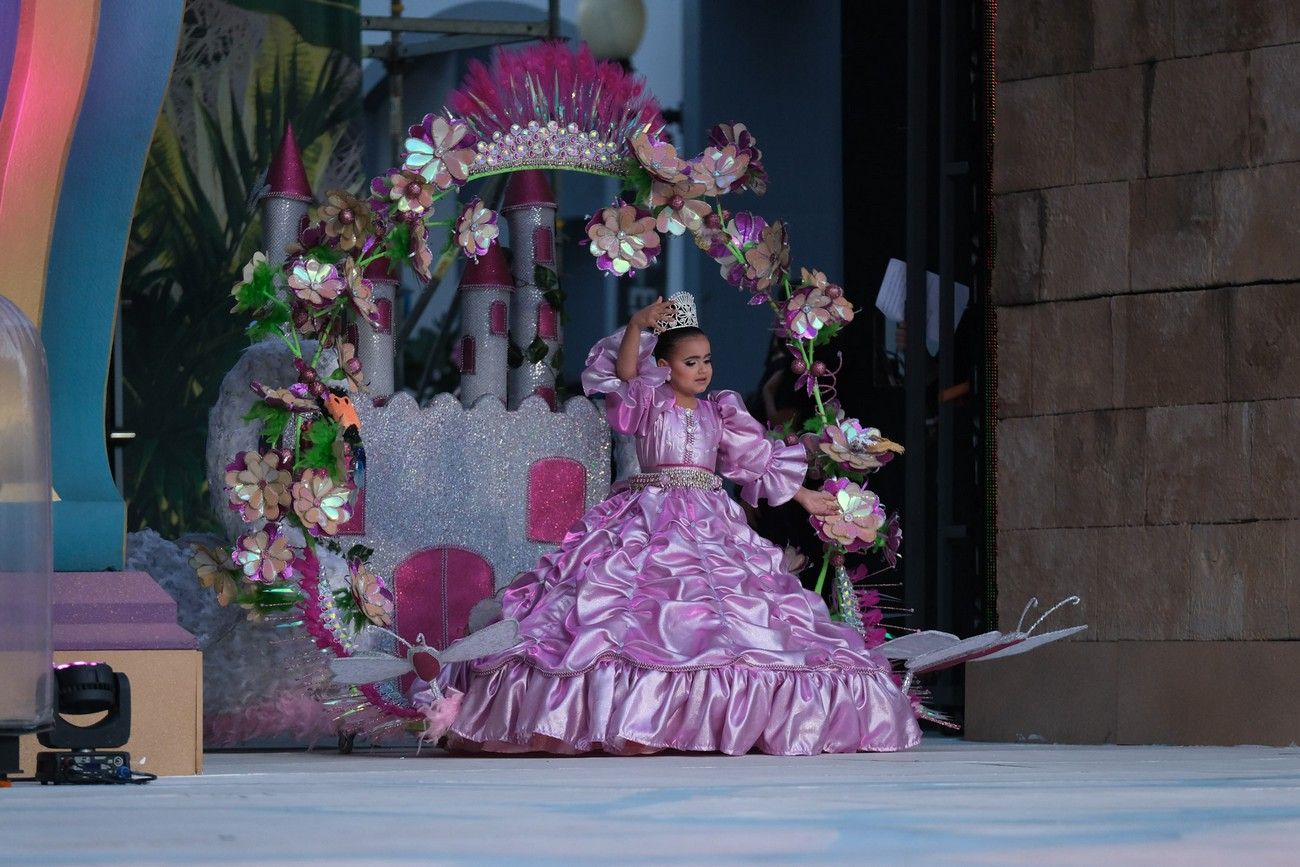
676	477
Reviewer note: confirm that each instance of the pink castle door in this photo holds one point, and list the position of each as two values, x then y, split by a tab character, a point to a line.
434	590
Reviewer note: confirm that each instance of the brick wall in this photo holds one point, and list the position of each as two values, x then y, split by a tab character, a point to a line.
1147	174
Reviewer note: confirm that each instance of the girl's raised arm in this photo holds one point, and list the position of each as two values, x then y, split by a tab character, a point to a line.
646	317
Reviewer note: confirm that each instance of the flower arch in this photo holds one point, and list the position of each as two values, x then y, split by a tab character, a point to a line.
545	107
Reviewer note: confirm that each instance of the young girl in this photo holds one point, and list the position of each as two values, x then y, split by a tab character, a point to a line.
662	621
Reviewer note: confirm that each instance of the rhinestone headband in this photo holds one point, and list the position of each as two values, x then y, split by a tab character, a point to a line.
684	315
549	146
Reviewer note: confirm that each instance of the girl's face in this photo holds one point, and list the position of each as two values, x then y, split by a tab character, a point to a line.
690	366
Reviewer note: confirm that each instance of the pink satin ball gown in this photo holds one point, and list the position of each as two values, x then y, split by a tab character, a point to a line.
663	621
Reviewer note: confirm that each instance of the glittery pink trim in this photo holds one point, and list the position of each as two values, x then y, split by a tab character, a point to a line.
734	662
557	497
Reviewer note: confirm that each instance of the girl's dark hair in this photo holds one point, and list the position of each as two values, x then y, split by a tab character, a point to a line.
672	337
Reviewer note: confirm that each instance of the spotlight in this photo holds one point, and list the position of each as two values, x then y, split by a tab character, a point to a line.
83	688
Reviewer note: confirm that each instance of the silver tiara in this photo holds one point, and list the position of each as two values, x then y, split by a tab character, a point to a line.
684	315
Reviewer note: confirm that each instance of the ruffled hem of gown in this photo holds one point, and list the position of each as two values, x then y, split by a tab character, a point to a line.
621	708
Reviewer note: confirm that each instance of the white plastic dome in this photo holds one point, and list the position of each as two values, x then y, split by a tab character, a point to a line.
26	559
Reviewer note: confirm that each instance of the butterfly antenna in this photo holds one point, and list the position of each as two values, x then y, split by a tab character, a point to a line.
1069	600
1031	604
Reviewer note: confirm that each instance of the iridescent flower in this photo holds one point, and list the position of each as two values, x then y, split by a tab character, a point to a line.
439	151
406	190
419	253
215	569
346	218
315	283
320	504
371	594
258	485
815	281
793	561
851	445
623	238
659	158
738	134
361	292
767	261
719	169
858	520
741	233
476	229
264	556
679	207
712	237
811	308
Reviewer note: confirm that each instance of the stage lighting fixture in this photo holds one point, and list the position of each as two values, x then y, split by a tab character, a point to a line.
83	688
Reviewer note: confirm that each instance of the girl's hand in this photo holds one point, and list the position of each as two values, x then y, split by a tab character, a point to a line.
648	316
817	502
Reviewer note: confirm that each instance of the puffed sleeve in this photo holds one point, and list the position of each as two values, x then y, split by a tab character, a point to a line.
764	467
630	406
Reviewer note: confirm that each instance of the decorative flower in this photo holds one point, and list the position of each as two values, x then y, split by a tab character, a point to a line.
659	158
679	207
893	540
623	238
250	270
855	447
361	292
406	190
315	283
264	556
859	518
767	261
294	400
719	169
351	365
215	569
371	594
738	134
476	229
346	218
258	485
310	235
419	253
742	232
812	307
439	151
320	504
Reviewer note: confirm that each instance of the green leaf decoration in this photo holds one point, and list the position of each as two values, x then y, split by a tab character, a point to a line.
638	182
397	242
273	420
545	278
557	360
514	355
318	453
536	351
360	552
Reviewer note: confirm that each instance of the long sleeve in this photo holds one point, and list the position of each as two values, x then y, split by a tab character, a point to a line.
631	407
765	468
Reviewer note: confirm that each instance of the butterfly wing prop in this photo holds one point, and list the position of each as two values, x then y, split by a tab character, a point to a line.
1033	641
499	636
368	668
917	643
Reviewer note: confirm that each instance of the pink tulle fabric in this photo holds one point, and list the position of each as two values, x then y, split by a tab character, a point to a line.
663	621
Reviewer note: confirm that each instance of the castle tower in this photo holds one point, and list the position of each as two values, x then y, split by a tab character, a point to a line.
287	196
529	209
375	345
486	288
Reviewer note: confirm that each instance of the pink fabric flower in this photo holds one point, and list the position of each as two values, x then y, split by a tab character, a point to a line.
858	520
258	485
738	134
858	448
719	169
476	229
264	556
659	158
320	504
440	151
623	238
315	283
767	261
406	190
678	207
814	305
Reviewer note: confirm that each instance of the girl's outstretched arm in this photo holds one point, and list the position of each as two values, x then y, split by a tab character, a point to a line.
646	317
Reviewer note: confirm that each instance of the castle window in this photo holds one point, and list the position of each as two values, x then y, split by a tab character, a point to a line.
544	245
467	354
497	317
557	497
547	322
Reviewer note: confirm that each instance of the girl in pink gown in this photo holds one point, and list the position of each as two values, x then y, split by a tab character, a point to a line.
663	621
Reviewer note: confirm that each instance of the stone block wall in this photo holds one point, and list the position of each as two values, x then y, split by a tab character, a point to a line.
1147	198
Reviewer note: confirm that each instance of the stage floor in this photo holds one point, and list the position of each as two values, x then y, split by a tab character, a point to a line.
947	802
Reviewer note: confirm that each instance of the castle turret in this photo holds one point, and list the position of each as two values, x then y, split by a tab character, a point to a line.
529	208
375	346
285	201
486	288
